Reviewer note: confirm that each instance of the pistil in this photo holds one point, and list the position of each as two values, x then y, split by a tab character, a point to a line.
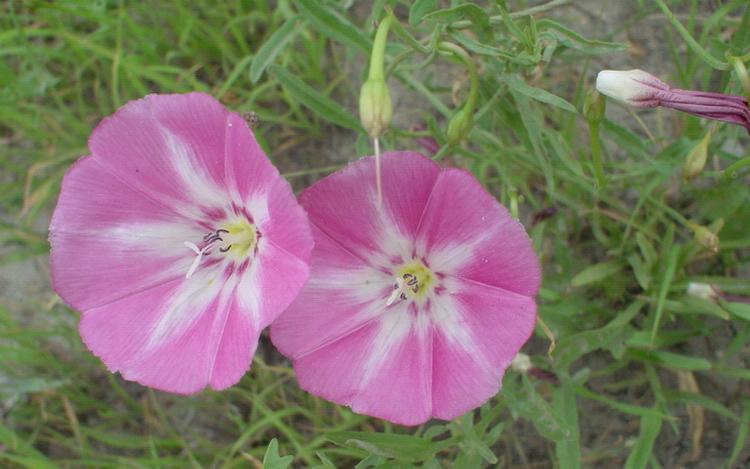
239	236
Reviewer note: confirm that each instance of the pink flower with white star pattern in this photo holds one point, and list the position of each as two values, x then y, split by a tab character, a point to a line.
178	241
413	310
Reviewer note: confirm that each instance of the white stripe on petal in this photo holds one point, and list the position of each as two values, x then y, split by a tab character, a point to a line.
395	326
190	300
198	184
249	296
446	315
451	258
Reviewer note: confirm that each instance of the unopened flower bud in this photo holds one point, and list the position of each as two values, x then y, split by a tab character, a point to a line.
463	119
460	124
375	107
593	107
635	88
696	159
706	238
521	363
705	291
641	89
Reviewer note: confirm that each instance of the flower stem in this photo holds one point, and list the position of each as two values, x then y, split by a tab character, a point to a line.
378	177
596	148
741	71
463	118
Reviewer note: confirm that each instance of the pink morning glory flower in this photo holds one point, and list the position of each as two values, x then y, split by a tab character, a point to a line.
178	241
641	89
414	310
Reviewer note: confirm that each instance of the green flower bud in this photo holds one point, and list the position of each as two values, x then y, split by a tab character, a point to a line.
706	238
375	108
593	107
696	159
463	119
460	124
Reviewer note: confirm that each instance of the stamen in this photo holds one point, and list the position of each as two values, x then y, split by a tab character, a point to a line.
197	260
242	237
404	283
397	291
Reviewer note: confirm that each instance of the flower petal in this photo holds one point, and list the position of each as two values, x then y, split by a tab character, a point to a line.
339	298
287	225
347	199
213	346
396	386
102	226
466	229
478	331
171	147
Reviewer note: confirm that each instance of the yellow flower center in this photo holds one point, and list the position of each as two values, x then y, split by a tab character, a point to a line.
237	238
413	281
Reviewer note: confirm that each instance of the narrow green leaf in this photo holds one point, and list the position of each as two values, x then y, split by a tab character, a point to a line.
568	450
516	82
405	447
273	47
402	33
510	23
740	310
732	371
647	249
313	100
466	11
627	140
326	20
419	9
689	398
693	305
742	434
479	18
25	454
670	269
644	445
641	271
473	448
573	40
571	347
703	53
736	166
622	407
327	463
528	403
597	272
481	48
672	360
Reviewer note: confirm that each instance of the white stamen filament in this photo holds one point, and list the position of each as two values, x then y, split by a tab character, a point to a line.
197	260
396	291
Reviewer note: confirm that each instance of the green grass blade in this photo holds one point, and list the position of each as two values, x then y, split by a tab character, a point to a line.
273	47
321	105
326	20
644	445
